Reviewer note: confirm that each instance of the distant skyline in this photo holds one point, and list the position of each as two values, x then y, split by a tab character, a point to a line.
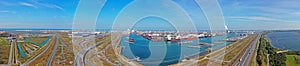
238	14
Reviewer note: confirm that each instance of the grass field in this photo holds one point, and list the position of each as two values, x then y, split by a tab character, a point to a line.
33	44
42	60
38	40
291	60
267	54
3	42
64	53
262	53
4	51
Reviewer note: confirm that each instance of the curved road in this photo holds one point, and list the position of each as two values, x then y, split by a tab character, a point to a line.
79	59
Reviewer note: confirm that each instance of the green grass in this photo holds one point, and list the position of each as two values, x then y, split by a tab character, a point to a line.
3	42
4	51
291	61
38	40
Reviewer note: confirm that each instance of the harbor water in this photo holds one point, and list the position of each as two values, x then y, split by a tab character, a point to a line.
162	53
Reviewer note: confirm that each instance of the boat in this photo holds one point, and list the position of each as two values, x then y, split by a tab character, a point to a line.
201	36
205	44
173	40
209	50
192	38
131	41
194	46
231	40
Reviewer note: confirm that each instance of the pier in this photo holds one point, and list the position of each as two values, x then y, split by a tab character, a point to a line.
135	59
205	44
194	46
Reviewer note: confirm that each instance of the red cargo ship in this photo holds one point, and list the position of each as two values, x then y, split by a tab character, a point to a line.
192	38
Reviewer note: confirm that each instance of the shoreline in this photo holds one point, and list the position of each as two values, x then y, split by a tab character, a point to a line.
271	43
288	53
124	60
270	40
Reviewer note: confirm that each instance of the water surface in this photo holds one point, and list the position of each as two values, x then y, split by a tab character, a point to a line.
164	53
285	40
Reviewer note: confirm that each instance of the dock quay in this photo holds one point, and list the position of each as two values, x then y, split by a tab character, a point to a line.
234	39
194	46
173	36
205	44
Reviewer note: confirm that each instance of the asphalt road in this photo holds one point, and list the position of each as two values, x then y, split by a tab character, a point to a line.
79	59
11	51
247	56
53	51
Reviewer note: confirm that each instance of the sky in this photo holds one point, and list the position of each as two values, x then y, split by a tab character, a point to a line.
238	14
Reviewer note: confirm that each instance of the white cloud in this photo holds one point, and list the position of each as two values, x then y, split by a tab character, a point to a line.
260	18
53	6
293	4
4	11
7	11
28	4
296	13
47	5
279	9
56	6
32	3
253	18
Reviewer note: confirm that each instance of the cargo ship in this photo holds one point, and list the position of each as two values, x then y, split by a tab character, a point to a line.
173	40
192	38
131	41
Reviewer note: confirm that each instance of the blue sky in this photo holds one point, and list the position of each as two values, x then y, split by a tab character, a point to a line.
238	14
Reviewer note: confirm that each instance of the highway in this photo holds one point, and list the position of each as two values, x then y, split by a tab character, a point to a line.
11	51
247	56
79	58
53	51
255	54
